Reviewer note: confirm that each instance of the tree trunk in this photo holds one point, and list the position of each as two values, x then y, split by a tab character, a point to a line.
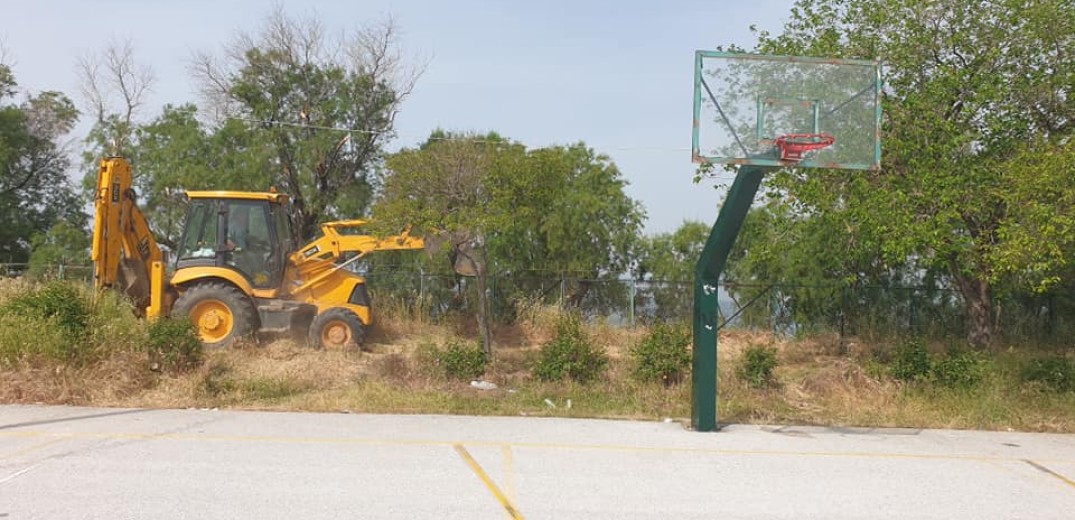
484	317
978	300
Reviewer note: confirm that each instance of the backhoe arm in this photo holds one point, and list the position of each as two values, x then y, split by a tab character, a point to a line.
318	259
125	254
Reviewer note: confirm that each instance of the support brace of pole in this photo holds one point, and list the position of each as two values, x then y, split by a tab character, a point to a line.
706	298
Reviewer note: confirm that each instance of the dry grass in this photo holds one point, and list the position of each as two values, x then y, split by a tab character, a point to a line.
820	380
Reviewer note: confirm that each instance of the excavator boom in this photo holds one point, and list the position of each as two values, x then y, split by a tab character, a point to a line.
125	254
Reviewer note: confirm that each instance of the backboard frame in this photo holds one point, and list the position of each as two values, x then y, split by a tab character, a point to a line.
872	70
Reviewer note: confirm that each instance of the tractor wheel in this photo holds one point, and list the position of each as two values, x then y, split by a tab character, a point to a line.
220	312
336	328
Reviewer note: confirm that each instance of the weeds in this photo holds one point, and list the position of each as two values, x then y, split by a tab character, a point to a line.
756	365
960	368
911	361
461	361
49	322
663	354
173	345
1055	373
571	354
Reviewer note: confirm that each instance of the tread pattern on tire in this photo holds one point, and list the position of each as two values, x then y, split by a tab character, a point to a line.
358	329
244	315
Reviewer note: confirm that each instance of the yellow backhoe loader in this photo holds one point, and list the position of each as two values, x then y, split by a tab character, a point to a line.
238	267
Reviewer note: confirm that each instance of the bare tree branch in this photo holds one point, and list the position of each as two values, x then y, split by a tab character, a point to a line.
115	86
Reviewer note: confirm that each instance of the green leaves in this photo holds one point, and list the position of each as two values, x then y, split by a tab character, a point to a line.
558	209
968	86
34	190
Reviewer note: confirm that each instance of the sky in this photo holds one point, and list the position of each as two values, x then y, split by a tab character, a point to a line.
615	75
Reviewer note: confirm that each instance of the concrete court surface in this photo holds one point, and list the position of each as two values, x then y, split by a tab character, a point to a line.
95	463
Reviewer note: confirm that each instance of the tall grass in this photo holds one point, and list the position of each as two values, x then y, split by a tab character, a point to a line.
814	380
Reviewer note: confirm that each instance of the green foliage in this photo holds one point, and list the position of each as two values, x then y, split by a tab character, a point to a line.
1056	373
966	84
59	301
311	81
173	345
35	193
959	368
756	365
663	354
177	151
489	199
571	354
63	244
56	318
672	256
25	337
460	360
911	361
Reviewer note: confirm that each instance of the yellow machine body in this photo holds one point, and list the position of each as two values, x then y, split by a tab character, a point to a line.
237	269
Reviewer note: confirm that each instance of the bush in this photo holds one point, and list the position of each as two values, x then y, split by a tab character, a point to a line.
53	321
571	354
756	365
663	355
22	337
1055	373
459	360
911	361
173	345
960	368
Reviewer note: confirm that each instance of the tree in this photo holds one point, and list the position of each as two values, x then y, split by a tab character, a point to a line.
34	190
572	218
323	106
177	152
559	209
63	244
454	188
968	86
115	88
666	263
672	256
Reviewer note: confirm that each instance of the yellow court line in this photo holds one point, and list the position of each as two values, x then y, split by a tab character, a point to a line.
508	506
1050	472
33	448
532	445
509	470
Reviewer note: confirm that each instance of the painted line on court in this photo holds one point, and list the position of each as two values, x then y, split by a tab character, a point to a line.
1050	472
500	497
509	470
15	475
31	449
494	444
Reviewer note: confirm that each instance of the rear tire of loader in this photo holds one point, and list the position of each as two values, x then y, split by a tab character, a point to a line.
221	313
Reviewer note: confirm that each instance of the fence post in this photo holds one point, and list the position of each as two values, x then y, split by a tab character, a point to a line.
774	310
561	291
421	288
492	296
1052	317
912	318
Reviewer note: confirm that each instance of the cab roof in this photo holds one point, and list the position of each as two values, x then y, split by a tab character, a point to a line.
278	198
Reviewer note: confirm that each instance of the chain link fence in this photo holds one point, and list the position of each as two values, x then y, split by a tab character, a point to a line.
785	309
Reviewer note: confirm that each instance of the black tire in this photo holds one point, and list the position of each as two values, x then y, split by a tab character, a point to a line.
337	328
205	305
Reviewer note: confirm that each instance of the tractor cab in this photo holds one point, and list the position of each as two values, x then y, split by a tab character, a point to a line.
247	232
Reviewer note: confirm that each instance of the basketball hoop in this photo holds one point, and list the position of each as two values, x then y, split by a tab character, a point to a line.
794	146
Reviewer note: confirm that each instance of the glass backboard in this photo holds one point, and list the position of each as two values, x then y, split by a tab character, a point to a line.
747	104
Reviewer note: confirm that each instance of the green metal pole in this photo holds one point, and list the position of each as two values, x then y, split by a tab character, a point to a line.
706	304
